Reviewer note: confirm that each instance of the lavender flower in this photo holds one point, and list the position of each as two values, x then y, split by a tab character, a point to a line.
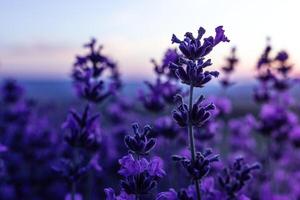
110	195
193	57
234	178
166	127
140	143
12	92
194	74
191	71
192	48
70	170
265	59
208	190
276	121
294	136
153	101
88	74
229	68
132	167
199	167
170	56
140	176
199	115
84	131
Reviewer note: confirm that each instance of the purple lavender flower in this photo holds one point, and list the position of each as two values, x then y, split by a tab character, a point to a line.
234	178
241	130
166	127
201	166
139	185
132	167
88	74
70	170
141	176
262	95
155	167
191	71
276	121
12	92
160	94
208	190
265	59
171	194
229	68
199	114
84	131
153	100
193	57
223	106
110	195
192	48
170	56
208	131
282	56
140	143
294	136
194	74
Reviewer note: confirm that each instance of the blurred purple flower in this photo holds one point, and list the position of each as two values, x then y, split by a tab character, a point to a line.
234	178
84	131
294	136
110	195
131	167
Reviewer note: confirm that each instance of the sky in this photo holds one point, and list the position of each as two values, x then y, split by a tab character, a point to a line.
39	39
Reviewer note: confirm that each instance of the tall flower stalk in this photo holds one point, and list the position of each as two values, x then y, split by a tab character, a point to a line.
140	175
96	78
192	138
190	70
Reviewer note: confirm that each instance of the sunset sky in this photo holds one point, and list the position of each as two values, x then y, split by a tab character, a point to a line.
39	39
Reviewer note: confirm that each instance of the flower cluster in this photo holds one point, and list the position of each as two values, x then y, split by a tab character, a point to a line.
140	175
139	166
198	116
232	61
140	143
273	76
171	56
161	93
83	139
199	167
84	130
191	67
89	73
234	178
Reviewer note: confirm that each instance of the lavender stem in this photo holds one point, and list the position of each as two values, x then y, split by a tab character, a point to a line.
191	138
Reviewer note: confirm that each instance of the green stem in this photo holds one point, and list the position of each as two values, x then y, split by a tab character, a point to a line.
192	139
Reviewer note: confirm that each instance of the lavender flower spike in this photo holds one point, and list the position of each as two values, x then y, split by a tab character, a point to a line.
140	143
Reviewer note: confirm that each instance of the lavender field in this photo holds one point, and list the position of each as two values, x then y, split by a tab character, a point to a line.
186	129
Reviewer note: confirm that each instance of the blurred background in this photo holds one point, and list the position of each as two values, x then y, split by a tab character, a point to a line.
39	39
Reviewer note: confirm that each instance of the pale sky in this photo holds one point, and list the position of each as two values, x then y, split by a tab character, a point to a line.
39	38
